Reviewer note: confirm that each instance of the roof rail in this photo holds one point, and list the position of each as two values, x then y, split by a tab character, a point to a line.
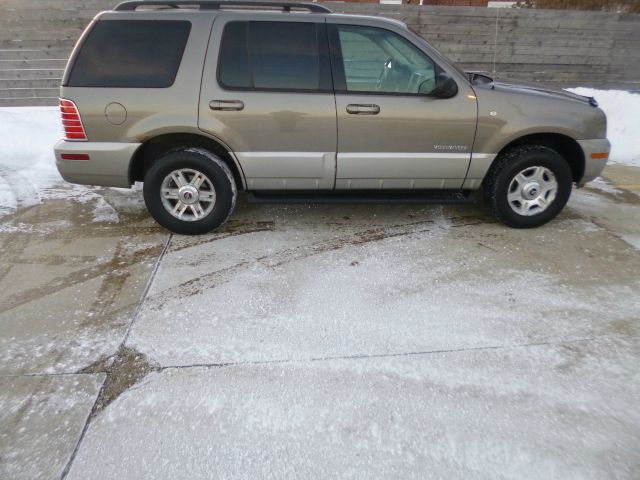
221	4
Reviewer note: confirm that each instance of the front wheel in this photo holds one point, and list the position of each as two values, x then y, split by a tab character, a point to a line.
189	191
528	186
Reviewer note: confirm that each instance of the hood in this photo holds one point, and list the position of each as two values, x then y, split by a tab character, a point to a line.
544	90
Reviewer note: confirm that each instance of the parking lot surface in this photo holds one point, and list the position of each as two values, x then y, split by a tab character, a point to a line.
320	341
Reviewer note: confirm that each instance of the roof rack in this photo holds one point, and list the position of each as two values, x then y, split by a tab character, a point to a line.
221	4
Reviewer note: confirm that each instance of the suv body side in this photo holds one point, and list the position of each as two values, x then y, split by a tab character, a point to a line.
306	140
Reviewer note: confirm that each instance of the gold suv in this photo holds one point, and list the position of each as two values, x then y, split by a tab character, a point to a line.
291	102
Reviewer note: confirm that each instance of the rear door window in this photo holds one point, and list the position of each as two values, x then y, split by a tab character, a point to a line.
274	56
131	53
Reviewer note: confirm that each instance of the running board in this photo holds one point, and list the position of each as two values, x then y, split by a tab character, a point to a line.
363	196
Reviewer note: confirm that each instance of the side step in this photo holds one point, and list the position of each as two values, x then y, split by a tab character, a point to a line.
363	196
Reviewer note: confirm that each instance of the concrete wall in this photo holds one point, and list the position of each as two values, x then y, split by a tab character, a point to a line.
564	48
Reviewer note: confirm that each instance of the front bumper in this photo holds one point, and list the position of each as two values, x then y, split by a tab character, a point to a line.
594	158
108	163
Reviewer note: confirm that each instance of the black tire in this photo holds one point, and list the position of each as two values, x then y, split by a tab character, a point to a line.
218	179
504	171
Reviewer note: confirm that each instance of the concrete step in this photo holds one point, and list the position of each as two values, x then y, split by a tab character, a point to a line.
36	64
521	23
533	59
28	102
52	82
35	54
16	43
67	34
68	5
30	74
28	23
29	92
47	15
516	49
536	67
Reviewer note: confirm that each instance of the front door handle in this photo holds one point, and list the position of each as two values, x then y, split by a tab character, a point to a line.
226	105
363	109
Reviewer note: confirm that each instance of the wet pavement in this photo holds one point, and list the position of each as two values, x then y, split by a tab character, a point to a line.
315	341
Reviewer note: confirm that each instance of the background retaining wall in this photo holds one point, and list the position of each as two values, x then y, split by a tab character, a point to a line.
565	48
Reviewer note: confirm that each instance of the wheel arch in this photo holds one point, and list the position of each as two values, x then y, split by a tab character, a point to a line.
156	146
564	145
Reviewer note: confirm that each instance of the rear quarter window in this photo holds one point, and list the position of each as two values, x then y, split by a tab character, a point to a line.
130	54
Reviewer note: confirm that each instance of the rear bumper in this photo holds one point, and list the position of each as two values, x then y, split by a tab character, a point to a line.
594	160
108	163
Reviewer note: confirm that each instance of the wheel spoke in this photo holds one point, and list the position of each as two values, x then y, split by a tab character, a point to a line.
515	196
542	202
549	186
178	178
197	210
171	193
521	179
538	174
179	209
207	196
197	180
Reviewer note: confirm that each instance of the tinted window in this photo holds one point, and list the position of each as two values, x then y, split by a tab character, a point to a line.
274	56
377	60
131	53
234	58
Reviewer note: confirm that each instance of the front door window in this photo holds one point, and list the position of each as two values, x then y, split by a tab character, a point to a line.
380	61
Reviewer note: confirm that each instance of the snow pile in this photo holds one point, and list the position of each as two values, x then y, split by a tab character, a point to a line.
28	173
27	166
623	127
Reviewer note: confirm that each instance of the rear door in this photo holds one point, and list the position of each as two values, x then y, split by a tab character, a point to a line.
391	132
267	93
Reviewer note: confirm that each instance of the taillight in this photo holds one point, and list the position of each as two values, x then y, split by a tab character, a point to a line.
71	121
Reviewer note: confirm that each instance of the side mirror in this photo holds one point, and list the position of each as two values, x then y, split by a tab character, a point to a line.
446	86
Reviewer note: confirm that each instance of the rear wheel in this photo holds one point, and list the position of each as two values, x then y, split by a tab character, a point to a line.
190	191
528	186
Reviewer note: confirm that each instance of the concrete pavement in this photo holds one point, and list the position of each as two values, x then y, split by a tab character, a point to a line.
322	341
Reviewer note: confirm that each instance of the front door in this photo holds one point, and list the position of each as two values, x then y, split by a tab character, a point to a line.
267	93
391	132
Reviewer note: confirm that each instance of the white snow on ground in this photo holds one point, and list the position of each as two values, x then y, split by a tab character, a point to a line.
27	135
549	411
28	173
269	294
41	427
623	122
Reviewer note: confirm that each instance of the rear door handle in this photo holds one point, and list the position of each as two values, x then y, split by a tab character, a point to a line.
226	105
363	109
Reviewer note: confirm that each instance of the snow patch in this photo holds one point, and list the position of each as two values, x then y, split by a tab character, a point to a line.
623	127
27	162
103	212
28	174
604	186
